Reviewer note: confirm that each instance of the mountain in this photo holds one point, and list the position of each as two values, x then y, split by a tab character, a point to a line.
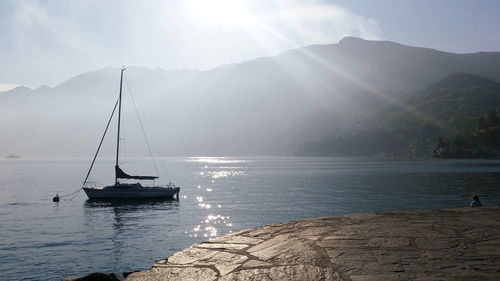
271	105
454	103
412	124
67	120
482	141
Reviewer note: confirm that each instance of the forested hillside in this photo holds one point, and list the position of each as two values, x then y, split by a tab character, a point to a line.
412	124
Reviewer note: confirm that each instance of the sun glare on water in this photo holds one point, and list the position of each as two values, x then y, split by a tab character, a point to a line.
222	12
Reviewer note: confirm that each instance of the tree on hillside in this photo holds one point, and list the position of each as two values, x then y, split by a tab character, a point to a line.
482	142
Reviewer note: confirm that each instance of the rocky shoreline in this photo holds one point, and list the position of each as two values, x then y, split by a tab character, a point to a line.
447	244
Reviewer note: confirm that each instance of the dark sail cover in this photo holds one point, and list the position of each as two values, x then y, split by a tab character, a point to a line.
120	174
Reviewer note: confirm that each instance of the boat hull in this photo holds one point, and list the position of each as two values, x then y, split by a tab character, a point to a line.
132	193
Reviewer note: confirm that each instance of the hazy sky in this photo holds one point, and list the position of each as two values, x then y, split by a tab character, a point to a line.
47	42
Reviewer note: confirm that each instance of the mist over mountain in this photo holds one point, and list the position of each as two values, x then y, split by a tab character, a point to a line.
412	124
274	105
68	120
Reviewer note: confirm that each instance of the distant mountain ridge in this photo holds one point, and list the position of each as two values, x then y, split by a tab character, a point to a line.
272	105
462	80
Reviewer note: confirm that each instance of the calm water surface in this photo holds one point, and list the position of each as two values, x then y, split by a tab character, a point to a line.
42	240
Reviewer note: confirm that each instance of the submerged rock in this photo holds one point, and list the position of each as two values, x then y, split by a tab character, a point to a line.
96	277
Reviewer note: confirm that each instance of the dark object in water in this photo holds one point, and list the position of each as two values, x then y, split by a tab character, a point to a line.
56	198
97	277
13	156
125	274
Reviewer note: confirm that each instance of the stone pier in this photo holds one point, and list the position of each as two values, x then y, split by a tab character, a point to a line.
448	244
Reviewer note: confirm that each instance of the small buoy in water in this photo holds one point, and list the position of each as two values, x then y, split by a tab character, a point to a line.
56	198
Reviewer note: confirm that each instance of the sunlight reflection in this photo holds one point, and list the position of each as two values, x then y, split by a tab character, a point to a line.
216	160
225	174
211	226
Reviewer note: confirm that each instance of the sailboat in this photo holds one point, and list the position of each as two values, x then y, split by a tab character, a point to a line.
126	190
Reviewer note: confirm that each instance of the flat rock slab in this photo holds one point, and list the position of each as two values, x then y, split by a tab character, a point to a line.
450	244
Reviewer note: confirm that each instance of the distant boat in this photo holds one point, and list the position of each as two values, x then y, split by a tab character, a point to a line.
12	156
126	190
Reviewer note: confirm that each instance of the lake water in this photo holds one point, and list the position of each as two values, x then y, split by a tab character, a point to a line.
42	240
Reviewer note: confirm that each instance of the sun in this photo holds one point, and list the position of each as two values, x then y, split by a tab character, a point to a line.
221	12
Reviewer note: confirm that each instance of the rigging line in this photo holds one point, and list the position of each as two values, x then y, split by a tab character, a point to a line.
62	196
142	126
100	143
67	195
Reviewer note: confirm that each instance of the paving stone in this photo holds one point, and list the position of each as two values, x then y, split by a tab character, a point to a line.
314	230
439	245
342	242
237	240
191	255
493	250
284	249
389	242
222	246
174	273
224	262
289	273
256	263
268	248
